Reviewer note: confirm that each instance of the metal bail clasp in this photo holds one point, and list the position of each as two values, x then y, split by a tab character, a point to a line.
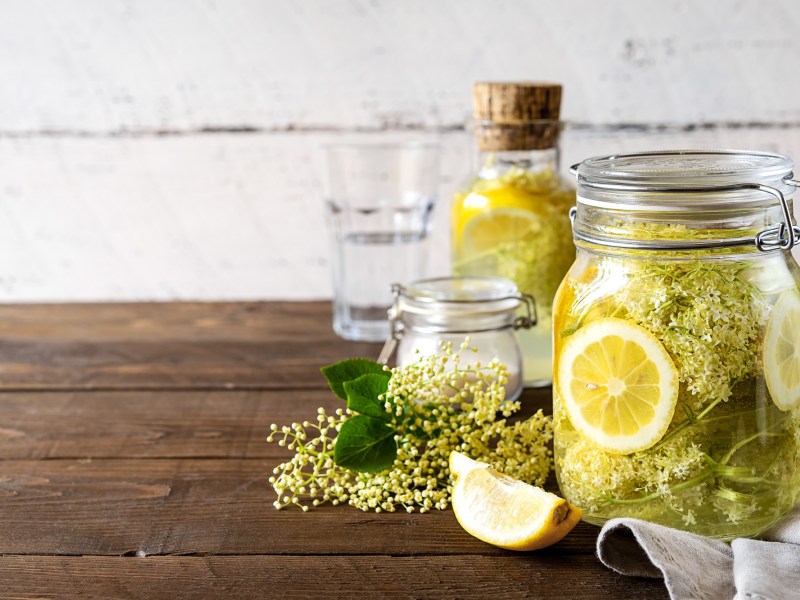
395	326
531	317
783	236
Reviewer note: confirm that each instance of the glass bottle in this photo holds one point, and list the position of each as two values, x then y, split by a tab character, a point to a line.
512	219
677	342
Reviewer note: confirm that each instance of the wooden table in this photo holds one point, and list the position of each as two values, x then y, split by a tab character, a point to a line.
135	466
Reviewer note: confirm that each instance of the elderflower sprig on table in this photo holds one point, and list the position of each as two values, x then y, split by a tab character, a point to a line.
389	448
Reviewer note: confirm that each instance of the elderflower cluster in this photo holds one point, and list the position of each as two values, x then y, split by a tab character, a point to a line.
438	405
725	456
708	318
538	261
592	477
311	471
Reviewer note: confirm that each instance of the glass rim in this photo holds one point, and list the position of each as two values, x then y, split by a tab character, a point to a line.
685	167
472	289
681	180
476	295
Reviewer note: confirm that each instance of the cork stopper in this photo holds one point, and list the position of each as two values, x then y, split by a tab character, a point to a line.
516	115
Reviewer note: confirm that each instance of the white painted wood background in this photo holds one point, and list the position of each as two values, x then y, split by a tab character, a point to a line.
170	149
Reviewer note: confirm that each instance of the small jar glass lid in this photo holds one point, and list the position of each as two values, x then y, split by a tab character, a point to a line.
457	305
460	296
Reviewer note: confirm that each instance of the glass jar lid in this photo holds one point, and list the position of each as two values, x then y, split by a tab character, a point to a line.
441	302
687	168
457	305
687	186
460	295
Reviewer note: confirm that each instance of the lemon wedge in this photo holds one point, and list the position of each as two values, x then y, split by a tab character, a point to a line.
506	512
782	351
618	384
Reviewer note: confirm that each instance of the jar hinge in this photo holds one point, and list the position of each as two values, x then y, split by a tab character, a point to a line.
531	317
395	327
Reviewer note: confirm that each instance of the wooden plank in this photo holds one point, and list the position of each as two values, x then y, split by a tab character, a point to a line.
159	346
194	506
201	217
479	577
157	424
179	364
156	322
197	424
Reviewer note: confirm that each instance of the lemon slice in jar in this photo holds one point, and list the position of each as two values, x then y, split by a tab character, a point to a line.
782	351
486	231
506	512
486	219
618	384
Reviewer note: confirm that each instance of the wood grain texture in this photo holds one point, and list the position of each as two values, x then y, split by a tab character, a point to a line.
165	424
163	493
157	346
524	576
207	506
195	322
151	424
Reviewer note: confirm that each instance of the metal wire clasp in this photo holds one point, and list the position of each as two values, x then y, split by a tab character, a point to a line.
396	330
783	236
531	317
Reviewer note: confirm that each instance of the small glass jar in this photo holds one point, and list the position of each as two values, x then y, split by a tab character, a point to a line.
512	218
677	342
449	309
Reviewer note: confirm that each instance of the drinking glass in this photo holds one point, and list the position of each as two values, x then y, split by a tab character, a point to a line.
379	203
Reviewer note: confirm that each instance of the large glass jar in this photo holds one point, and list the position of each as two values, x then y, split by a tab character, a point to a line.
511	220
677	342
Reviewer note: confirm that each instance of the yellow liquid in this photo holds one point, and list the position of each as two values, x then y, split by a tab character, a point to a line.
518	227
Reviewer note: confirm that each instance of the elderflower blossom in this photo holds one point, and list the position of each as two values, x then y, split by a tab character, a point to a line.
708	318
441	406
591	477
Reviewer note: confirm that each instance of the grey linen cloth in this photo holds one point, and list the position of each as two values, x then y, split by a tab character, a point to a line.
696	567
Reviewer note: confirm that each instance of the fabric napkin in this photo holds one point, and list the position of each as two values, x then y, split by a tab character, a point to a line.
701	568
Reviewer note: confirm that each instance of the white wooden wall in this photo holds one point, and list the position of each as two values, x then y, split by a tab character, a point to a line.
170	149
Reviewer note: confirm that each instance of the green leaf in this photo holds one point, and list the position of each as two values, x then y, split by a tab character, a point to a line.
348	370
365	444
362	395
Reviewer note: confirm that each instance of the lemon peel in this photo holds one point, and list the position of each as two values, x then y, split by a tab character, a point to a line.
506	512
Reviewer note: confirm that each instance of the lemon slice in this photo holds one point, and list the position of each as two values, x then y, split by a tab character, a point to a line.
485	231
500	213
505	512
619	385
782	351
